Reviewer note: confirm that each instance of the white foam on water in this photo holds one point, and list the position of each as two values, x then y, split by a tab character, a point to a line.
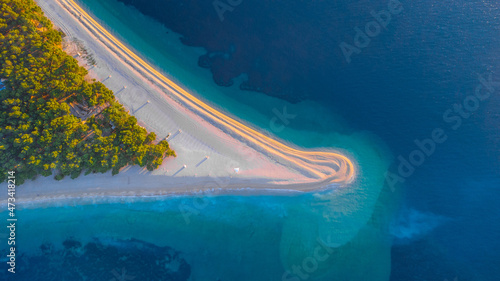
413	224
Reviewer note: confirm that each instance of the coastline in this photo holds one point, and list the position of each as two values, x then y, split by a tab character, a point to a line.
263	168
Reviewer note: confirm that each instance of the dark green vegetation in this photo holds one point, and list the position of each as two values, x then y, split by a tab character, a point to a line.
43	87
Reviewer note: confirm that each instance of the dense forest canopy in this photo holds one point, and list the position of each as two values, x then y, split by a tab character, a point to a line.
39	134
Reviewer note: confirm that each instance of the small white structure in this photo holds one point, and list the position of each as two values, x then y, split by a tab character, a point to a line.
184	166
236	170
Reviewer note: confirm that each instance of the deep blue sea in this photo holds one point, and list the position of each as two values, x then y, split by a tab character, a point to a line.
410	89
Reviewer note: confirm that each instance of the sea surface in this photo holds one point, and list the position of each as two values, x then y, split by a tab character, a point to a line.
416	105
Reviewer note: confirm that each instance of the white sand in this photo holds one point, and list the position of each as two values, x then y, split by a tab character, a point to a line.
200	136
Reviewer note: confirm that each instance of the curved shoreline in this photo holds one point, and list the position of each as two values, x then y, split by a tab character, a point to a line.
325	167
268	165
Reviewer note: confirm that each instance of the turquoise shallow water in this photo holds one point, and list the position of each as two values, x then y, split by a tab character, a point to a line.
231	238
341	234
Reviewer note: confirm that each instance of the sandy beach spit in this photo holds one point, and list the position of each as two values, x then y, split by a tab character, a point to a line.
216	153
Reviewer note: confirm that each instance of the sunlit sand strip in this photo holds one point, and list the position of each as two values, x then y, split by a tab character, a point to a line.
322	167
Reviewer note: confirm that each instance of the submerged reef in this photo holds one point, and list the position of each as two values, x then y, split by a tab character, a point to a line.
116	260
